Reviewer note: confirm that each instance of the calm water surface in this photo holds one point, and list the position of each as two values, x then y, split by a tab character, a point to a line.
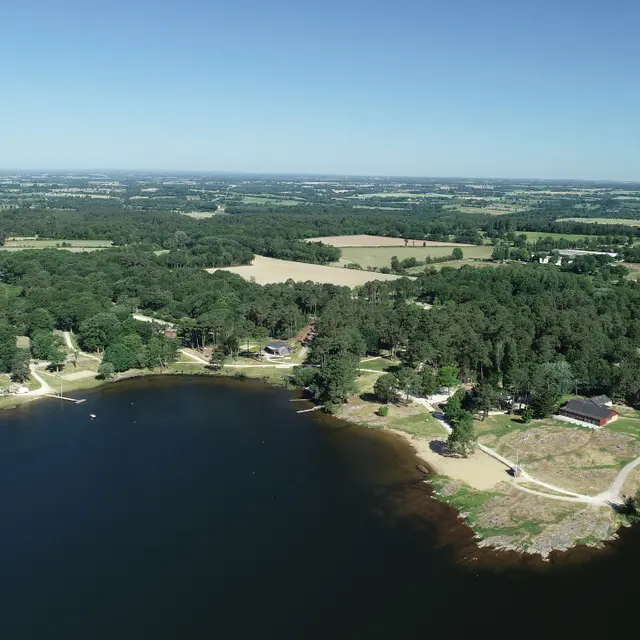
199	508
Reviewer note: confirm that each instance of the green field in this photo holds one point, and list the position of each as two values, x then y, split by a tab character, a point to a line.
532	236
381	256
390	194
271	200
17	244
629	222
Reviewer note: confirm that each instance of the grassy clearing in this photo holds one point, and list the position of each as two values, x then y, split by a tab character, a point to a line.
381	256
286	202
627	221
532	236
30	243
390	194
378	364
199	215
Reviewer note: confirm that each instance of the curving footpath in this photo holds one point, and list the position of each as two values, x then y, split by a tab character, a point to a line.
67	338
44	386
608	498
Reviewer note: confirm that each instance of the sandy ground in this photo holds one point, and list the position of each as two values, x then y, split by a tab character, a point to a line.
270	270
379	241
479	471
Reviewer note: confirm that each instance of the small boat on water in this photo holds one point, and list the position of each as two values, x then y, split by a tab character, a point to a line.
423	469
93	416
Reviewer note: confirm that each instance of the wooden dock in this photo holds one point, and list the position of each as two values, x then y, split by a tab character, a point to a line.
74	400
309	410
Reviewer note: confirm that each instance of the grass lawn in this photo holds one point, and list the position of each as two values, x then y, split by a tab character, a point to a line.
390	194
378	364
381	256
628	221
47	244
269	200
532	236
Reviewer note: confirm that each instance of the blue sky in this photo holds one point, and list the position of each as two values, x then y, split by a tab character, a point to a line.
486	88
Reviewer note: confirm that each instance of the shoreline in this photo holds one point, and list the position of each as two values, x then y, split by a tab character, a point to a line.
437	465
441	483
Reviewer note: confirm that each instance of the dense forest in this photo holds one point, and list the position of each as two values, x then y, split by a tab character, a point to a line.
534	332
512	329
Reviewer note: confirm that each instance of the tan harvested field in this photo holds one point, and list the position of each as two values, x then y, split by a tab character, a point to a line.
379	241
269	271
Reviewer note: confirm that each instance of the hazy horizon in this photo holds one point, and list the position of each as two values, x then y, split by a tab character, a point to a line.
545	90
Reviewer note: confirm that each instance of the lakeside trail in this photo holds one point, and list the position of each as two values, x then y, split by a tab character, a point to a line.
44	389
271	365
608	498
67	338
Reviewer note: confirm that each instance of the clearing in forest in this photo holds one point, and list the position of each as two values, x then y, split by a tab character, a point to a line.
269	271
628	221
364	240
381	256
18	244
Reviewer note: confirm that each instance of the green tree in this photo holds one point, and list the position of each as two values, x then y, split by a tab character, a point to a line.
408	381
457	254
448	377
57	358
336	377
20	365
462	440
216	361
428	384
99	331
260	335
385	388
106	371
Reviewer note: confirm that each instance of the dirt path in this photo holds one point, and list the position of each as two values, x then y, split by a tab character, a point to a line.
613	493
67	338
600	500
44	386
193	356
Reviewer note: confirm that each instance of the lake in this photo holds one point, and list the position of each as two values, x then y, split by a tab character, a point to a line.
208	508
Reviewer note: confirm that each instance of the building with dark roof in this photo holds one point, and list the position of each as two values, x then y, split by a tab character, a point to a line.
595	411
278	348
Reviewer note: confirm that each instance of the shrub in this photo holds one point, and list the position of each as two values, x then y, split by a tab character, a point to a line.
383	411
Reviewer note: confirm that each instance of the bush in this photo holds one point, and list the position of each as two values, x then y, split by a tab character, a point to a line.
383	411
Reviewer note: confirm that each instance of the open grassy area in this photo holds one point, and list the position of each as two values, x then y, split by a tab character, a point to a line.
532	236
378	364
19	244
567	455
287	202
389	194
629	222
381	256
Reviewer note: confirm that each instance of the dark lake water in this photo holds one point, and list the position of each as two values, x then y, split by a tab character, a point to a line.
199	508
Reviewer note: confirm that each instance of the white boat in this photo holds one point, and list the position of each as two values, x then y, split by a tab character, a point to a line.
92	415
